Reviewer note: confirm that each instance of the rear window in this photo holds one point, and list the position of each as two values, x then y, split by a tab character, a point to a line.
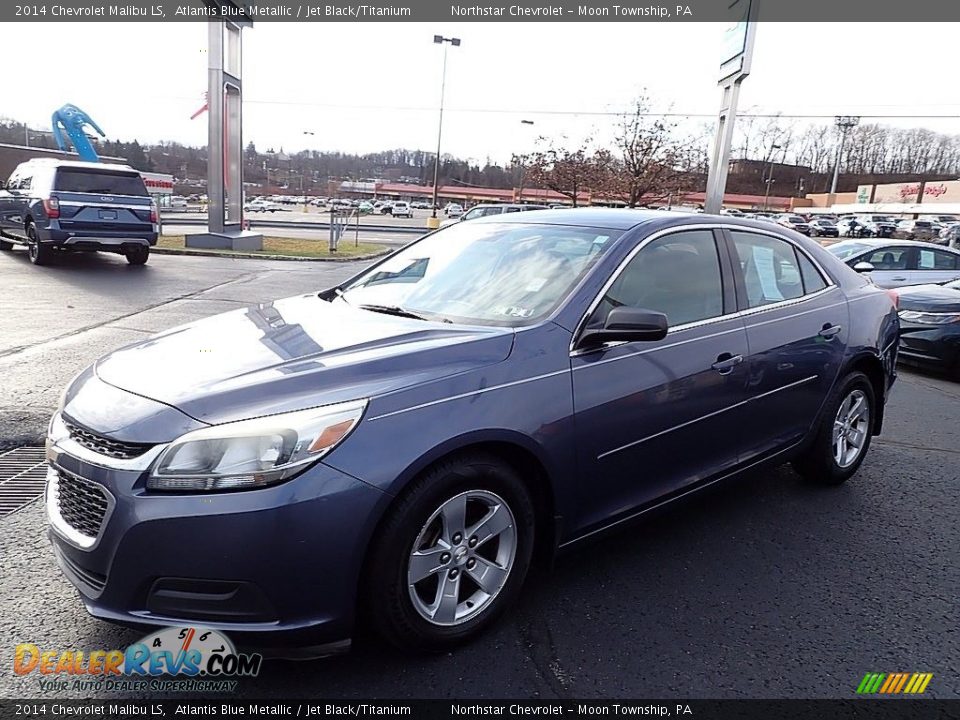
93	181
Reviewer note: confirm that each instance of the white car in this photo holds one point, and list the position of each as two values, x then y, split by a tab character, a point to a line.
893	263
178	203
401	209
261	206
453	210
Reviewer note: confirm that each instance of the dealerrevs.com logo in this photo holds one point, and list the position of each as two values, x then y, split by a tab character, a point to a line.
186	659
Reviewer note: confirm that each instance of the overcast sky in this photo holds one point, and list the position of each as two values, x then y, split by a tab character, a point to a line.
365	87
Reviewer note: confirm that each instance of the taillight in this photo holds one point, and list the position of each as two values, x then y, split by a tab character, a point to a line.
895	296
51	206
153	212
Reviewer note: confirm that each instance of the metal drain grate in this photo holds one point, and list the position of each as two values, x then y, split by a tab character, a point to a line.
23	474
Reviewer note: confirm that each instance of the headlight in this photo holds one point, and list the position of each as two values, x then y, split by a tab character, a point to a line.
929	318
253	453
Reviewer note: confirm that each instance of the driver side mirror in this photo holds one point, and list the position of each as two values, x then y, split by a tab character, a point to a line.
864	267
627	324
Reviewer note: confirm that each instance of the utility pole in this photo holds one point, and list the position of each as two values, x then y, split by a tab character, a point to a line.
769	181
844	123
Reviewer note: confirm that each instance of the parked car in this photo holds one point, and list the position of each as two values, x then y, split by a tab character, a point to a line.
64	206
178	203
261	206
401	442
420	205
453	210
488	209
821	227
930	326
891	264
945	220
950	236
401	209
915	230
365	208
794	222
879	226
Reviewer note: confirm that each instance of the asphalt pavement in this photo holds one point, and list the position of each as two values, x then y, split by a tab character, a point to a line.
762	588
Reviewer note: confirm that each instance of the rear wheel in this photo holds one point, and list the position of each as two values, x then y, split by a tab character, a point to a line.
451	556
39	253
137	255
843	438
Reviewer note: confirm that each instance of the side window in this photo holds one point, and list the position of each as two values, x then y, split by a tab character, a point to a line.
891	258
812	279
936	260
14	182
678	275
770	269
26	182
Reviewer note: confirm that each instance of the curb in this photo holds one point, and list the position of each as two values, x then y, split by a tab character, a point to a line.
261	256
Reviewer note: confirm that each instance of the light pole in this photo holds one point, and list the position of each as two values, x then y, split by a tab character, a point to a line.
440	40
766	196
844	123
523	166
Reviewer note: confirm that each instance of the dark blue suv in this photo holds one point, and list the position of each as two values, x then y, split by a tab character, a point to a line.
50	205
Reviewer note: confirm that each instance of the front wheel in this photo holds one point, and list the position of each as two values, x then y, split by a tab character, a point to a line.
452	555
138	255
843	437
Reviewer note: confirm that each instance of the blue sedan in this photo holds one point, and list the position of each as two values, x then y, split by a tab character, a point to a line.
396	450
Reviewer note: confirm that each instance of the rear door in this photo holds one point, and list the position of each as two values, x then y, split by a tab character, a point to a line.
934	266
797	324
13	203
115	203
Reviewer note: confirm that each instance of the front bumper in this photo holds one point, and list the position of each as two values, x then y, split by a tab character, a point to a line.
273	567
930	345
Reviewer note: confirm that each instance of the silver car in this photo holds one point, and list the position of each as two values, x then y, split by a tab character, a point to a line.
892	263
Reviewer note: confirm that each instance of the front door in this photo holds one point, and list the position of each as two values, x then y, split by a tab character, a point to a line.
655	417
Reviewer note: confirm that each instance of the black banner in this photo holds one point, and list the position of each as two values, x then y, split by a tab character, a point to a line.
891	709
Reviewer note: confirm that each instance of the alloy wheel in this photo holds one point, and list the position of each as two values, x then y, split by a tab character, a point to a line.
851	428
462	557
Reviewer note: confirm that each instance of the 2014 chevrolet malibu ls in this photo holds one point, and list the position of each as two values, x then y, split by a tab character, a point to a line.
397	447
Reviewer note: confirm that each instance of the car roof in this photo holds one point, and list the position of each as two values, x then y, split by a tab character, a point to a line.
624	218
56	162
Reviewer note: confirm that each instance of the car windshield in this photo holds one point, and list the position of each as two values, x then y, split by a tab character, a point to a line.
827	223
93	181
796	219
483	273
882	218
844	250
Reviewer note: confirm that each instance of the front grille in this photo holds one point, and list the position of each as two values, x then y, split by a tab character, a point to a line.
82	504
105	446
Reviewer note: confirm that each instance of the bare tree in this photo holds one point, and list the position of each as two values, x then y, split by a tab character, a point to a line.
568	170
650	157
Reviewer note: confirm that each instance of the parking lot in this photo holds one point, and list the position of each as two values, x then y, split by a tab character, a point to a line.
765	587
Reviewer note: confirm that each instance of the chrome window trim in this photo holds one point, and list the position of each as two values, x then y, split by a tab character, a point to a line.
830	284
708	415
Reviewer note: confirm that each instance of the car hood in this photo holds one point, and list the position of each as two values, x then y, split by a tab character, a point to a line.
292	354
931	298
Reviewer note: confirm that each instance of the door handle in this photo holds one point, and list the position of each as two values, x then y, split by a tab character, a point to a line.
898	279
726	363
828	331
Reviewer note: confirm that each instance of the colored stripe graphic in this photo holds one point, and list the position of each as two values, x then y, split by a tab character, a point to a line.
894	683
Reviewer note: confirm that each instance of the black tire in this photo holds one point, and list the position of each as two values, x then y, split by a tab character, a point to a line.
6	245
39	253
818	463
387	594
138	255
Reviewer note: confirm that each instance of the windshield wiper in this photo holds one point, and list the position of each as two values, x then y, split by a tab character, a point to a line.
398	311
